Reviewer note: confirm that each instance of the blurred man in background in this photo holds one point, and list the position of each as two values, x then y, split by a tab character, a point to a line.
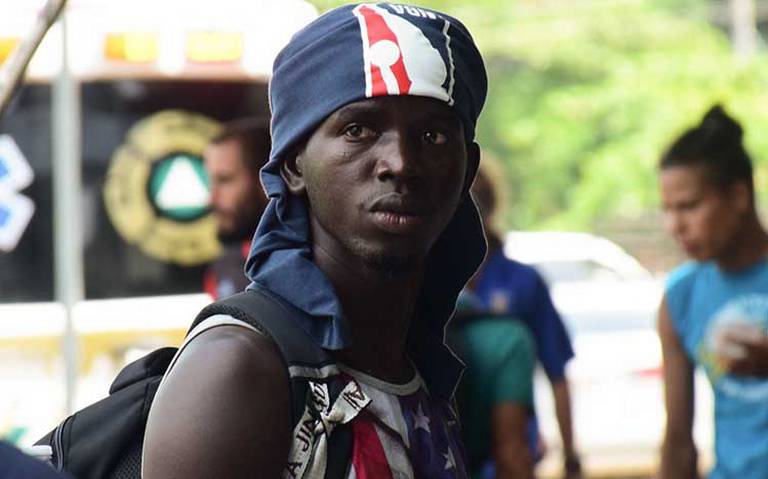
714	313
508	288
233	160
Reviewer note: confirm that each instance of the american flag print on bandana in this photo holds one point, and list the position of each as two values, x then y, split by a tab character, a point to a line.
404	433
399	58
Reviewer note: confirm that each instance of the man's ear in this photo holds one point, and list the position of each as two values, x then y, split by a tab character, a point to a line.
741	196
473	162
292	172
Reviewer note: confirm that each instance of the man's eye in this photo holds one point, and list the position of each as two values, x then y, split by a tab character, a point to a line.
435	138
357	132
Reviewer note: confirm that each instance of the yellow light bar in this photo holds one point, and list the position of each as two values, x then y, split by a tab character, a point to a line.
7	45
135	47
206	47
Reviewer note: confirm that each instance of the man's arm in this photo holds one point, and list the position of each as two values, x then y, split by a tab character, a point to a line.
554	352
513	399
755	360
678	452
223	411
562	395
511	451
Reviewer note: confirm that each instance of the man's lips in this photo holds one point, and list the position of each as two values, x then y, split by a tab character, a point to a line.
690	247
397	222
398	204
397	214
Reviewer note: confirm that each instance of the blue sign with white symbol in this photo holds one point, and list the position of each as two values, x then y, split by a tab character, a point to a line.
15	172
4	172
15	212
5	216
15	209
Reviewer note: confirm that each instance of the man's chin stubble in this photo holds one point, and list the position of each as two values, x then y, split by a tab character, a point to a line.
389	266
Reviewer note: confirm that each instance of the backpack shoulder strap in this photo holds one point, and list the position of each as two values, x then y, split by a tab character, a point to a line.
278	320
308	364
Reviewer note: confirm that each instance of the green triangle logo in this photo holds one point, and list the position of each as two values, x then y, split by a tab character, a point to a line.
179	187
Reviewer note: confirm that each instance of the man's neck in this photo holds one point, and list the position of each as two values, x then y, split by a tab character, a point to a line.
378	310
751	247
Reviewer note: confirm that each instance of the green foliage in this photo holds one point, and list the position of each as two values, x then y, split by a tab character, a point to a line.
584	96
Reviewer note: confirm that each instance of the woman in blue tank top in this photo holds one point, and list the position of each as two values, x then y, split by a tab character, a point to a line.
715	309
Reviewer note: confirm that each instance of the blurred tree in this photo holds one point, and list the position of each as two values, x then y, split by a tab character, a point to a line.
585	95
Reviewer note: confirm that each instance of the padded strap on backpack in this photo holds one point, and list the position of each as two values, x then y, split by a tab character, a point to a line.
273	317
305	360
270	315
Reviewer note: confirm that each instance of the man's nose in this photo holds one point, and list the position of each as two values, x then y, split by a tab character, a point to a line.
398	159
213	195
673	223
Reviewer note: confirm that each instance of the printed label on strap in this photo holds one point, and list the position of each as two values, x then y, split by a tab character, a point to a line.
309	447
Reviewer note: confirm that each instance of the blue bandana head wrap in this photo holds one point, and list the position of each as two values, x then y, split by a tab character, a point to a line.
347	55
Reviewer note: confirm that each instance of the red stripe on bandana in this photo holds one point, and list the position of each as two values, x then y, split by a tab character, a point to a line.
378	30
368	458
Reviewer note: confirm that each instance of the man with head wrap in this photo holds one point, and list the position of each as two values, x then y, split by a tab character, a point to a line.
371	233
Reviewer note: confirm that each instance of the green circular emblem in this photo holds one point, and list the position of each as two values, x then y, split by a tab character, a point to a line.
157	193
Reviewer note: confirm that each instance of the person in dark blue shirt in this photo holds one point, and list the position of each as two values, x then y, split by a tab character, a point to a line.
509	288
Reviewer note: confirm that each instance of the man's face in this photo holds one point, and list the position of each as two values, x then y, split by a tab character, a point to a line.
383	177
702	218
237	199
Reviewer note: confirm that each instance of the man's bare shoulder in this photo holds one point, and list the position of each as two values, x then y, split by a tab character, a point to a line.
223	411
234	348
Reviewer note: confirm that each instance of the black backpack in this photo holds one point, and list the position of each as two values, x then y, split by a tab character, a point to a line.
104	440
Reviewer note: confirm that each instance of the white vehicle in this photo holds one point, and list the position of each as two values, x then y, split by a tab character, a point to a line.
154	81
608	302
